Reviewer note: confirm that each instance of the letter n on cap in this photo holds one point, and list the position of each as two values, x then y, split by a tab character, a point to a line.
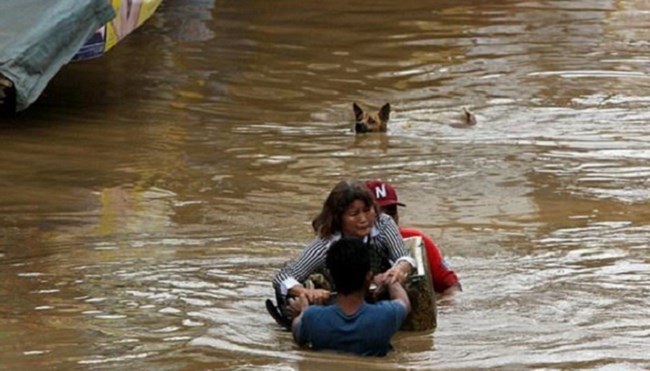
380	191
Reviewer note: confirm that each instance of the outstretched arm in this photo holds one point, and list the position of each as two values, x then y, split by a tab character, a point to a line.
403	262
397	293
314	296
298	307
312	259
398	272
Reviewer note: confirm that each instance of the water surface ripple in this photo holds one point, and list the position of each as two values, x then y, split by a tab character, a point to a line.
149	196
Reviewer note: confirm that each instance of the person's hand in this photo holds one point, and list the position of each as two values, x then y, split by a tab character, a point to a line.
395	274
298	305
317	296
380	287
304	303
378	279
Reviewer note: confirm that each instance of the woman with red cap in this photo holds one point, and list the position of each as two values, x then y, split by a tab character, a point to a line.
444	279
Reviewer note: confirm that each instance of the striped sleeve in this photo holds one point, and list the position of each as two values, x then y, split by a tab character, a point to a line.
392	239
311	260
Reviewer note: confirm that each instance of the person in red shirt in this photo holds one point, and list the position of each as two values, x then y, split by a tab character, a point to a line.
445	280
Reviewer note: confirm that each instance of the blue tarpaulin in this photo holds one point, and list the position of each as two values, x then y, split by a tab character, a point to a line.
37	37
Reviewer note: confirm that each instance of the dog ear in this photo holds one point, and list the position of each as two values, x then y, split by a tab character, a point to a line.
358	112
470	118
384	112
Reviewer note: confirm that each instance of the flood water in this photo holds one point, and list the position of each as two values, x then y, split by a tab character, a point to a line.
149	196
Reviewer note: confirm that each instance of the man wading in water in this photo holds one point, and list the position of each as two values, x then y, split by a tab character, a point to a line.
351	325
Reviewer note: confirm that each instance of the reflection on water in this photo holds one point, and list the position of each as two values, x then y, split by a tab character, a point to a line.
150	195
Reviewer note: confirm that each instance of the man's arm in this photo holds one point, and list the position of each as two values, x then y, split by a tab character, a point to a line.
315	296
399	272
298	307
397	293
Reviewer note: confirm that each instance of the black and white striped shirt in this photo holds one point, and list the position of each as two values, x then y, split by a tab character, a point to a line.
385	235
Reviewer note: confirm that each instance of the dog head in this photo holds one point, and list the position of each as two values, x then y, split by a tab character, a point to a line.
371	122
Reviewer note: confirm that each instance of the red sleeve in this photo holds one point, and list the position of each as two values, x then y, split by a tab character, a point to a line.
443	277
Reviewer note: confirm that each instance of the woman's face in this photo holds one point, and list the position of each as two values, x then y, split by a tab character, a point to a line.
358	219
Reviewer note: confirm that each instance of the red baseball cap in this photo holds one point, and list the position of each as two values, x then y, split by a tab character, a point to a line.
384	193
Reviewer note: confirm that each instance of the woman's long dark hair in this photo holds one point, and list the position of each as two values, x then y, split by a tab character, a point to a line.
330	219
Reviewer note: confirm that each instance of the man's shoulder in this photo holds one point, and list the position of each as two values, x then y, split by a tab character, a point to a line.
390	313
318	311
387	306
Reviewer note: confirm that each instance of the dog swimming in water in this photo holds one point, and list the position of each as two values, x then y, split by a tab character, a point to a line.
368	122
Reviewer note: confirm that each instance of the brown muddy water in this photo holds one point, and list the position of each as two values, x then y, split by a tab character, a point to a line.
149	196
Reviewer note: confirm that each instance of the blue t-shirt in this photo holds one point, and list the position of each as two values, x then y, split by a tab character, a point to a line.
366	332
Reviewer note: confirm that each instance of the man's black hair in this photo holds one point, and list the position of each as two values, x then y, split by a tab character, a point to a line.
348	261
